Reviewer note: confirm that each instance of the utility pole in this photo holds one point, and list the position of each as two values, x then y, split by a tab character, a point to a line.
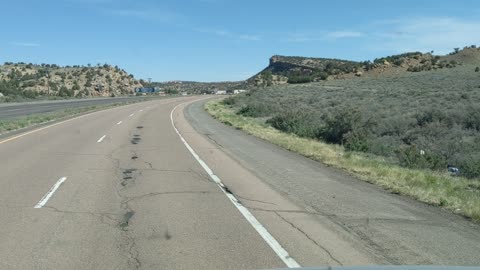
48	83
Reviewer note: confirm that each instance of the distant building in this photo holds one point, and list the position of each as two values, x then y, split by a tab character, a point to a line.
220	92
239	91
145	90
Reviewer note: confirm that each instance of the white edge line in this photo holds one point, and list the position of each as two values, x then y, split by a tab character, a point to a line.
271	241
119	123
49	194
101	138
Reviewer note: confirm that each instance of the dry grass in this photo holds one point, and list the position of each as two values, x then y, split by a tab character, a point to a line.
454	193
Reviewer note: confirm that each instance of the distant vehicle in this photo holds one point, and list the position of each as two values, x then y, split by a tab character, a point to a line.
453	170
146	90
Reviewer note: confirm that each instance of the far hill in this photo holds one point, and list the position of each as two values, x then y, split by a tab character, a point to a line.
198	87
294	69
24	80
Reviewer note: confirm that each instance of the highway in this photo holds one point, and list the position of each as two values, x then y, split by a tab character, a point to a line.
161	185
16	110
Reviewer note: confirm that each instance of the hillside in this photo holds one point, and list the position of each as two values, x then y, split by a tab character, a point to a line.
416	110
22	80
294	69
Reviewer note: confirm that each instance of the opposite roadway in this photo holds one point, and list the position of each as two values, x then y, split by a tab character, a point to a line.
15	110
161	185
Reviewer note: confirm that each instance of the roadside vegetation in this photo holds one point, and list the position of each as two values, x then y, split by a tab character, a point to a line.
400	131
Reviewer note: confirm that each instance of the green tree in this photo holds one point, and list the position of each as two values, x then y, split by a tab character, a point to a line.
53	86
30	94
75	86
339	123
267	78
65	92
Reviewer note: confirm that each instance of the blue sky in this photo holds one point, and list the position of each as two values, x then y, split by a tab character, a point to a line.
217	40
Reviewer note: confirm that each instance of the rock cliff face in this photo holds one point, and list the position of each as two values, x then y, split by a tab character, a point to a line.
294	69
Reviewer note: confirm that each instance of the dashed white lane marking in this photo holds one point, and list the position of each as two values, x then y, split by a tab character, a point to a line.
49	194
13	110
49	126
131	115
271	241
119	123
141	111
101	138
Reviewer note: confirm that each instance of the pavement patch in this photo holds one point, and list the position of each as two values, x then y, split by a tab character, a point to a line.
126	219
127	175
167	235
135	140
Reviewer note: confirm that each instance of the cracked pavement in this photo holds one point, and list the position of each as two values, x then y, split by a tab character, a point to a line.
136	200
139	200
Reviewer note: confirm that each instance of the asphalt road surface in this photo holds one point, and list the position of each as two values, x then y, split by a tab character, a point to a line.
15	110
161	185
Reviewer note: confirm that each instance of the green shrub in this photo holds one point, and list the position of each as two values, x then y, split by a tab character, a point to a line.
65	92
29	84
30	94
429	116
75	86
53	86
412	157
472	119
229	101
356	140
470	167
300	79
298	122
255	110
267	77
339	123
398	62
